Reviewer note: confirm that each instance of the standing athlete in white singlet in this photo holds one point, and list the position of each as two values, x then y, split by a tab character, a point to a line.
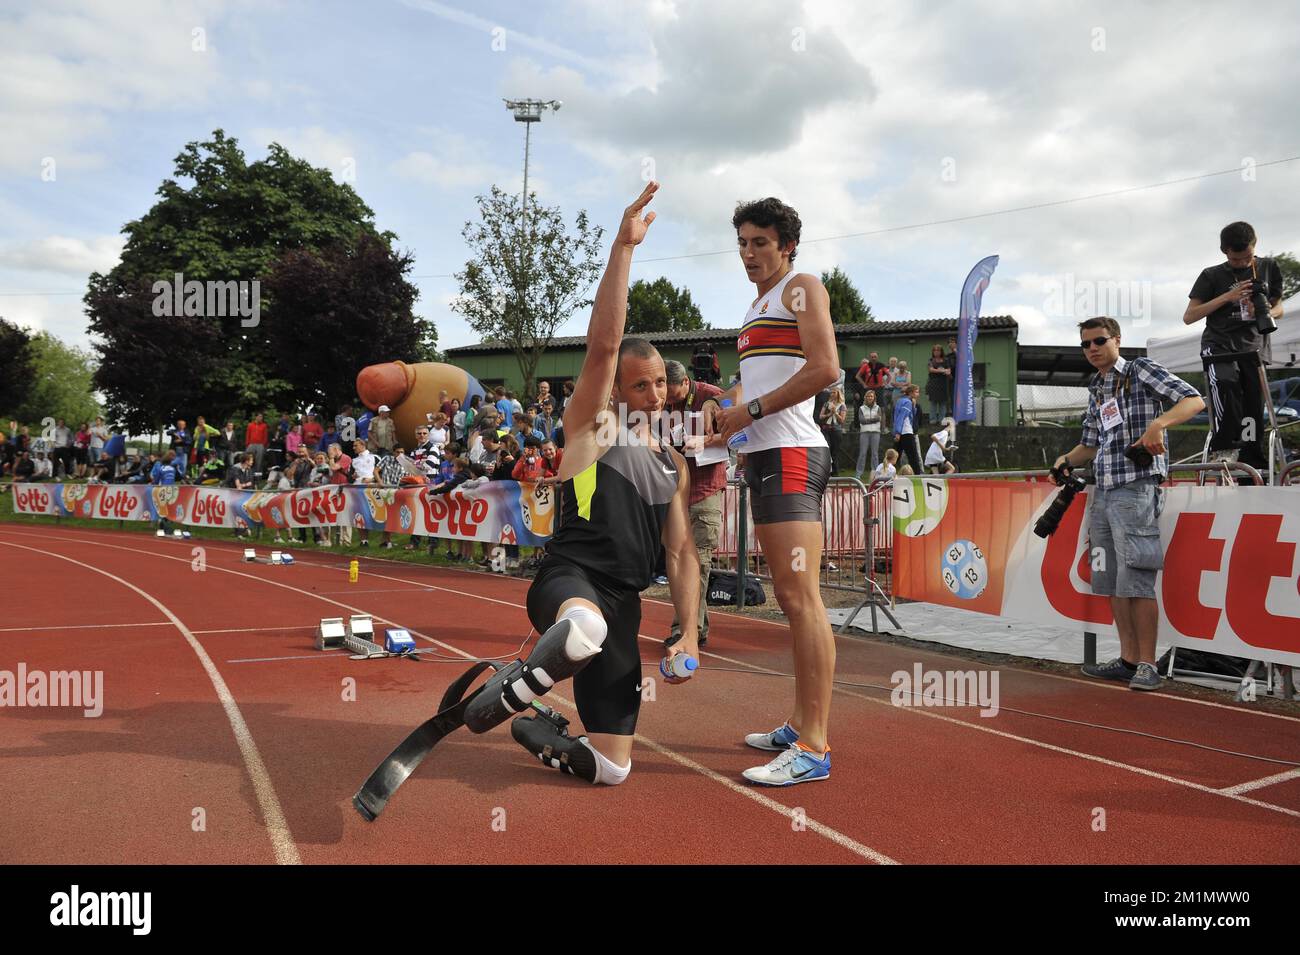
787	355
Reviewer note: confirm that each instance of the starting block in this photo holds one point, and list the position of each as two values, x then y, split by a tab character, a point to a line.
286	558
177	533
398	641
330	634
250	553
276	557
161	532
361	628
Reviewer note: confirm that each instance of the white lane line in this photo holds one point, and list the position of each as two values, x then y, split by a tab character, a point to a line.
921	712
259	629
318	655
1229	793
286	852
740	618
833	835
85	626
1254	784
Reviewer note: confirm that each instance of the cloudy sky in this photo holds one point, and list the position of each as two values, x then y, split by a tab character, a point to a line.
880	122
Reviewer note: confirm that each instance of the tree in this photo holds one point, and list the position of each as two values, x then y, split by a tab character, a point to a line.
847	306
525	279
1290	273
19	371
357	303
221	219
60	384
659	306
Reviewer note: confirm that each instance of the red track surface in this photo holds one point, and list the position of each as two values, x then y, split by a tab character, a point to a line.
911	785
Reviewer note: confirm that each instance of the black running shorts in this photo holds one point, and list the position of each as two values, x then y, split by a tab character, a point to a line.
787	484
608	689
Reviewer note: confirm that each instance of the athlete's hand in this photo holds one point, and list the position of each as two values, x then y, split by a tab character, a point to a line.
728	421
680	648
634	227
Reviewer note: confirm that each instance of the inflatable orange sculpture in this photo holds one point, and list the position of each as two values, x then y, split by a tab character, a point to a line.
411	391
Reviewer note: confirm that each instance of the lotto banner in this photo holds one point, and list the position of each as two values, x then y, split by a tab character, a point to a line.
497	512
1229	583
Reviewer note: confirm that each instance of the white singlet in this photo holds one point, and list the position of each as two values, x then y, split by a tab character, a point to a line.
770	355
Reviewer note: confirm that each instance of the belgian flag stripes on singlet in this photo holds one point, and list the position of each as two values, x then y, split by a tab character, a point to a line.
613	514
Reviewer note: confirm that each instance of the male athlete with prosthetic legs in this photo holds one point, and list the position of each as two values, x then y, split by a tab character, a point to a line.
623	496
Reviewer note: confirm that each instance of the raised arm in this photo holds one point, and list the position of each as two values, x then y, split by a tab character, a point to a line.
608	318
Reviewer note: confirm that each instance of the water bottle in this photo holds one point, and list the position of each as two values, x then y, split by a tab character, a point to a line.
679	665
740	438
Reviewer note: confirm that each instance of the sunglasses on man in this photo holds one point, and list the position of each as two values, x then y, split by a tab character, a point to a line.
1087	342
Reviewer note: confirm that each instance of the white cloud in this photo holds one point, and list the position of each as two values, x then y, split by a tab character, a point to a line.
856	133
67	68
455	161
64	255
317	145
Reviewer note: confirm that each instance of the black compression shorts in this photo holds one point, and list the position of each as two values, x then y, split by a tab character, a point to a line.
787	484
608	689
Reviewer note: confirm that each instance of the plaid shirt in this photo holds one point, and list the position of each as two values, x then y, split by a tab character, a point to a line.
1140	385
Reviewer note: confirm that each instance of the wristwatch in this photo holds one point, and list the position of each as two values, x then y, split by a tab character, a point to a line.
755	409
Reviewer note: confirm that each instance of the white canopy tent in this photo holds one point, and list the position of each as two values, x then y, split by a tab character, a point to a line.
1183	352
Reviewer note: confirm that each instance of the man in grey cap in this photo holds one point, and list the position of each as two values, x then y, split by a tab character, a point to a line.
383	434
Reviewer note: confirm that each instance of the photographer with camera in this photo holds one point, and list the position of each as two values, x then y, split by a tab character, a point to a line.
1240	300
1124	437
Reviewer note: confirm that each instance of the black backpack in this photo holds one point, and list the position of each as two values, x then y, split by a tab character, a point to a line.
723	590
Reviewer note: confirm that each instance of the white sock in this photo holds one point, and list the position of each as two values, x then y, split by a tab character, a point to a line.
607	771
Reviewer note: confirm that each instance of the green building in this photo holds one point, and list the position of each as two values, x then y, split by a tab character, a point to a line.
994	366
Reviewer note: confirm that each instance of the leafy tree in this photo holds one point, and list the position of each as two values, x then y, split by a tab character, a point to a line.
220	219
525	279
16	347
356	302
659	306
847	306
60	384
1290	273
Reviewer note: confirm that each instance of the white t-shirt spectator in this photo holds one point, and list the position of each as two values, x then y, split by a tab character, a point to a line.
437	438
939	441
884	472
363	467
98	435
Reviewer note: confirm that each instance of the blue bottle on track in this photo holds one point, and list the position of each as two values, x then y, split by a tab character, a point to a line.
679	665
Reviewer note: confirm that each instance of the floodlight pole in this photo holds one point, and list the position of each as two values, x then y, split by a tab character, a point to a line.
529	111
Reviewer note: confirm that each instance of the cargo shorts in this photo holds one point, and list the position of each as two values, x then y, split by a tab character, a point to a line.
1124	546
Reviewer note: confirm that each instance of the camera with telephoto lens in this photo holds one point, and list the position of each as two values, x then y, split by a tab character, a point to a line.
1259	303
1070	485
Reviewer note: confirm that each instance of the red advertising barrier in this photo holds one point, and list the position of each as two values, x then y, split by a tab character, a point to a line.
1230	583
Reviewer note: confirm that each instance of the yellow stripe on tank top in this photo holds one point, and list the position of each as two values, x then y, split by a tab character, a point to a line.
584	485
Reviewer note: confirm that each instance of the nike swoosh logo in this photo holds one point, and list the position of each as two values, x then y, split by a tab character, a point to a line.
801	775
669	471
769	477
